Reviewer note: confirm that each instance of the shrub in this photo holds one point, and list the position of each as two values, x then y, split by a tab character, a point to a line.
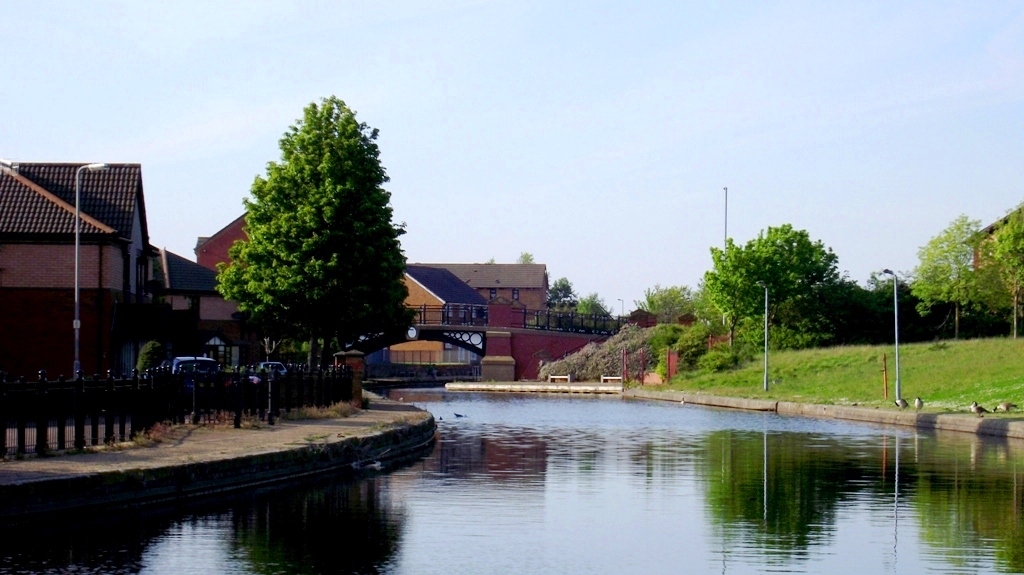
719	358
693	345
151	355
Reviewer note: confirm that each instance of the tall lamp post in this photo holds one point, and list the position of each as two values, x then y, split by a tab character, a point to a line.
725	239
622	308
896	320
78	232
765	286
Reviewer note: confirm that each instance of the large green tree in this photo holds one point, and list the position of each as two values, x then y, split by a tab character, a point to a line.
945	273
592	304
323	258
1006	248
562	296
795	269
667	303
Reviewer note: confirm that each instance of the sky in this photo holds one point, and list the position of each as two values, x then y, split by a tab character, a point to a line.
597	136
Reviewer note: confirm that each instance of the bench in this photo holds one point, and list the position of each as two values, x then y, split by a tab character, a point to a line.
565	378
611	379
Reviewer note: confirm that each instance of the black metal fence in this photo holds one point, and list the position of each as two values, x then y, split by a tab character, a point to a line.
451	314
422	372
40	416
572	322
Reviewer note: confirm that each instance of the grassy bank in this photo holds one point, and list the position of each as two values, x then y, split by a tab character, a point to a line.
947	375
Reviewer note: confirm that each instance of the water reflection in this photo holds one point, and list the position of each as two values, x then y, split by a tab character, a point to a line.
334	527
588	485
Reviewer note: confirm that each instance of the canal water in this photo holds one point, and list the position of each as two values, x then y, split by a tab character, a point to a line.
567	485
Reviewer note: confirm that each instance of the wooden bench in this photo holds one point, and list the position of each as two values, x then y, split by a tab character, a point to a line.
565	378
611	379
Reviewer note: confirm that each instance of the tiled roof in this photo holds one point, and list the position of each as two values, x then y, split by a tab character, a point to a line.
499	275
40	198
182	275
445	285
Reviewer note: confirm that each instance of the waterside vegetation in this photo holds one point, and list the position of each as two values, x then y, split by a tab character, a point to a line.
947	375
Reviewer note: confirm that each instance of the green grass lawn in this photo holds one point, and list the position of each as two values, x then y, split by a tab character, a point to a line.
947	375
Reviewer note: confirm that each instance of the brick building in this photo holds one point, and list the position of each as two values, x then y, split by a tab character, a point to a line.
37	262
525	285
202	321
213	250
439	298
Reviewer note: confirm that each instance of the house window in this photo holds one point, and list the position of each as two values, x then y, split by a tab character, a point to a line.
515	293
494	293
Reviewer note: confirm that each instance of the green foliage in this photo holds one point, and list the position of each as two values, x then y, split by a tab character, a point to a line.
592	304
323	257
525	258
717	359
151	355
945	273
947	378
795	270
561	296
692	345
1006	250
667	303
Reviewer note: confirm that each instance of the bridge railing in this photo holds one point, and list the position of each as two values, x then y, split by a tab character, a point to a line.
571	322
451	314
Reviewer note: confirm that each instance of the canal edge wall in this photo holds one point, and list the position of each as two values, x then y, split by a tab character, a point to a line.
175	483
1013	429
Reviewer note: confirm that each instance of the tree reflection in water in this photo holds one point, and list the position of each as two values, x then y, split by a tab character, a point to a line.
781	492
328	527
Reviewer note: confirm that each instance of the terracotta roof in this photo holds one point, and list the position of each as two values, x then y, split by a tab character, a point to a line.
182	275
499	275
39	198
445	285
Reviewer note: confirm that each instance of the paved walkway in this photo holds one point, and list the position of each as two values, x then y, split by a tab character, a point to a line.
189	444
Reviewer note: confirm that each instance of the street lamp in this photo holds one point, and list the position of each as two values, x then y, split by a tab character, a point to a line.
622	308
78	231
725	239
765	286
896	320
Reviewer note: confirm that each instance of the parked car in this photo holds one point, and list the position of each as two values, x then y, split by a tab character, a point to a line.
272	367
189	364
202	369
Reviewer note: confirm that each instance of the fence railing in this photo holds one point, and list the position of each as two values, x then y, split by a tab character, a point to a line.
420	372
571	322
451	314
41	416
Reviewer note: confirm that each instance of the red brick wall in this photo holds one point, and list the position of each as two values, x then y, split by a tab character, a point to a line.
215	250
36	331
529	347
53	266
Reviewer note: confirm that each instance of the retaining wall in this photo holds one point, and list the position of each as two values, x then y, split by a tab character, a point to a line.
996	427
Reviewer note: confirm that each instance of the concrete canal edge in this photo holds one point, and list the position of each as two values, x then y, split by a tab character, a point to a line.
177	482
966	423
533	387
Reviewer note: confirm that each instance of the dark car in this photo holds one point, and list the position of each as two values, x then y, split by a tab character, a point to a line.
193	368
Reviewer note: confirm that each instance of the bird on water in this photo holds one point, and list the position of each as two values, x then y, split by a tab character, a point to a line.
918	404
1007	406
901	403
975	408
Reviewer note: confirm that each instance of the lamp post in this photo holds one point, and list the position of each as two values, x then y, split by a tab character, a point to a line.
78	232
765	286
622	308
725	238
896	321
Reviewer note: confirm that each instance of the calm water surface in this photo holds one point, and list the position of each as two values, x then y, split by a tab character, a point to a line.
566	485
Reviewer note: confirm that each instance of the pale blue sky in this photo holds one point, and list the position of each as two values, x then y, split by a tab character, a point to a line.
596	135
